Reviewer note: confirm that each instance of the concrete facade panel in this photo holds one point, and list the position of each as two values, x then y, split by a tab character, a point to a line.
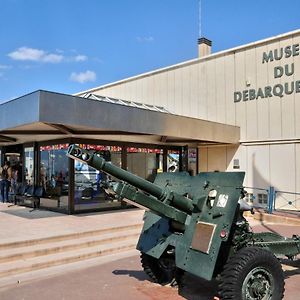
139	90
203	159
160	93
241	155
186	91
283	174
171	91
258	166
251	105
217	159
263	115
231	156
221	158
288	101
132	91
229	89
275	121
109	92
203	91
296	40
220	87
297	176
240	85
211	90
149	90
194	90
178	91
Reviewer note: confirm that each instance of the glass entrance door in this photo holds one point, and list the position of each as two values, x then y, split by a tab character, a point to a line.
93	187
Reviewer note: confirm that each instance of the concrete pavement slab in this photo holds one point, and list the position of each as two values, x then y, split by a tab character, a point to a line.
18	223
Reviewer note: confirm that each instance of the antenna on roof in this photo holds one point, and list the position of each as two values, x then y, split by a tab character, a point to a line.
200	18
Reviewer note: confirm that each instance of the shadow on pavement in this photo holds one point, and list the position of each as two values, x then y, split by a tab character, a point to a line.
290	273
27	213
139	275
197	288
295	267
194	288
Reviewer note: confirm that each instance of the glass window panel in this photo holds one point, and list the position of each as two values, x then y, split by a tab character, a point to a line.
93	187
54	176
144	162
29	165
173	161
192	161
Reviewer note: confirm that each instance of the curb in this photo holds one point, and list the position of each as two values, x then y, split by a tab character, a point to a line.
277	219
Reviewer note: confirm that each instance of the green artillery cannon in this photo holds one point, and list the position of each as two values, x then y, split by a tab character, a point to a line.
195	224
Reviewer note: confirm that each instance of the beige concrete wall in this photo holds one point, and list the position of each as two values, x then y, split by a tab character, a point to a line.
204	89
218	158
274	165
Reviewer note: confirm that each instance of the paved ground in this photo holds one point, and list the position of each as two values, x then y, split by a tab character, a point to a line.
19	223
117	279
121	279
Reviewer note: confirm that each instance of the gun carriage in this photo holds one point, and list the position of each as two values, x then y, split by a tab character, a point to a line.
195	224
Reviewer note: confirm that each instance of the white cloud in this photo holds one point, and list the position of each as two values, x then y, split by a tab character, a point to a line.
80	58
25	53
52	58
145	39
37	55
83	77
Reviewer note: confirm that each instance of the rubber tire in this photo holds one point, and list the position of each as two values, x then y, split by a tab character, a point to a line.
241	264
155	271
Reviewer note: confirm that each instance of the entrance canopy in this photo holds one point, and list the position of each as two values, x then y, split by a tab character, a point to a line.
43	116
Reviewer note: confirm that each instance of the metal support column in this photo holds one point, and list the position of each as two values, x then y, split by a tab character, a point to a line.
271	199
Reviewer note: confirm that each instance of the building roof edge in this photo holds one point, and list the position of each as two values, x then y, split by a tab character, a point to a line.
192	61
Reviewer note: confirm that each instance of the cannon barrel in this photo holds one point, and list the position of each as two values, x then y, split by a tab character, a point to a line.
99	163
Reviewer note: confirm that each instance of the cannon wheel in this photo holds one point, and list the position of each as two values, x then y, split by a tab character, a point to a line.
252	274
162	270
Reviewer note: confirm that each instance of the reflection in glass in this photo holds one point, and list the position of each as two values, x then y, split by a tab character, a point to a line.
54	176
192	161
144	162
28	165
92	187
173	161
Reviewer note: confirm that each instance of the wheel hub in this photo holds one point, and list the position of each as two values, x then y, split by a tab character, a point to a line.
258	288
258	285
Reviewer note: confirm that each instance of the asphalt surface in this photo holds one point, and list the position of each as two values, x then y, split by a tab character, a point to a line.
125	279
121	279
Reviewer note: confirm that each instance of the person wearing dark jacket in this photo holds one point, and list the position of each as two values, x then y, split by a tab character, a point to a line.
5	176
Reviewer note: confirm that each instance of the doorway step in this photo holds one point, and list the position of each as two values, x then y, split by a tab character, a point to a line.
17	258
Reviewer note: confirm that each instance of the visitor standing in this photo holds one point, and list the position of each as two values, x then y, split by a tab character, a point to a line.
5	175
13	183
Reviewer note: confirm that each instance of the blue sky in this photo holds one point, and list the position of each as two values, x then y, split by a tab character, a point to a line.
71	45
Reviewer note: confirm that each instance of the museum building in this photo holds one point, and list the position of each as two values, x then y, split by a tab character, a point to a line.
235	110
